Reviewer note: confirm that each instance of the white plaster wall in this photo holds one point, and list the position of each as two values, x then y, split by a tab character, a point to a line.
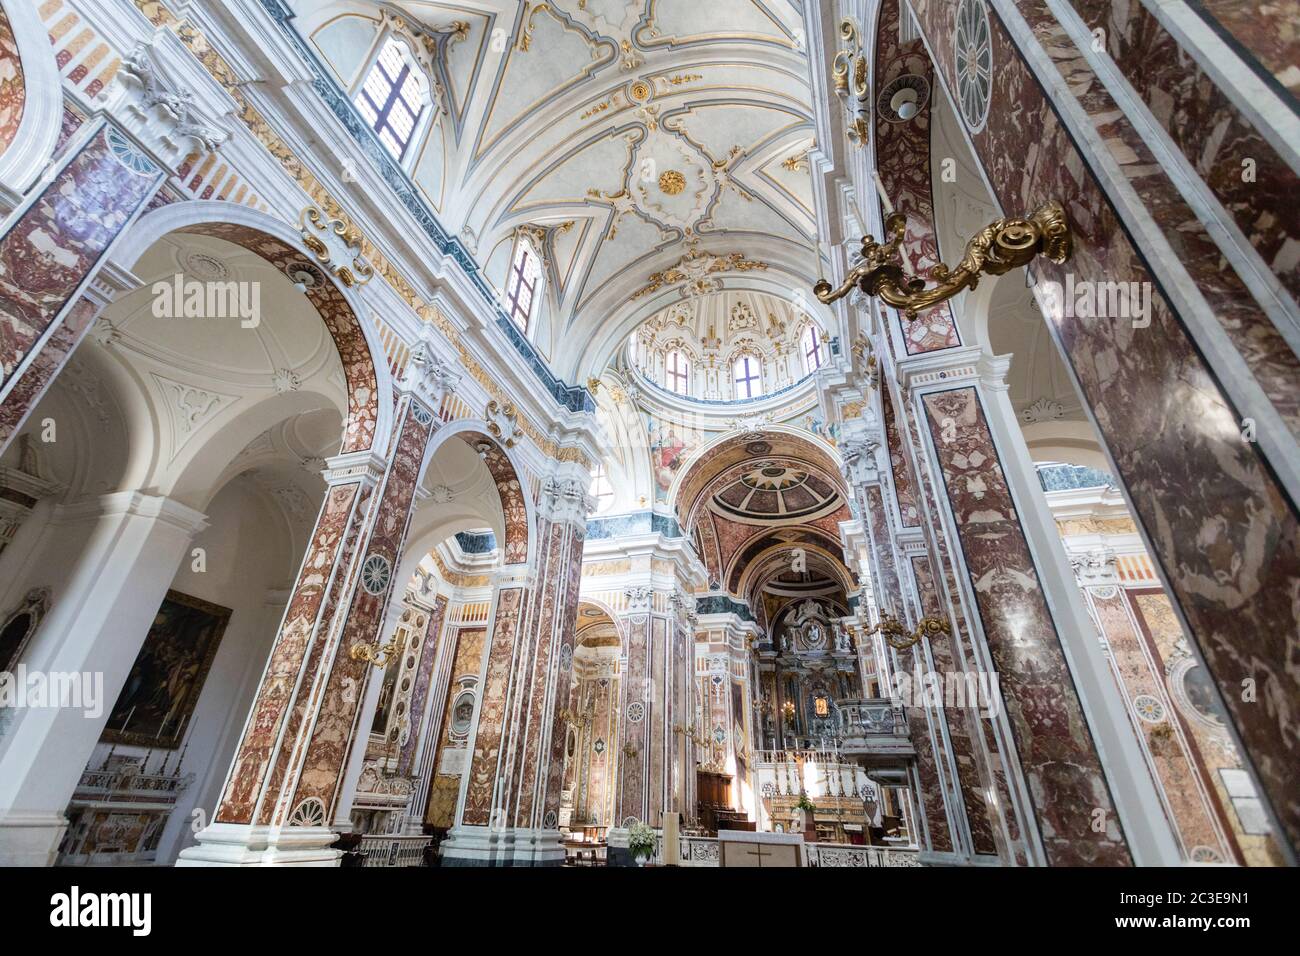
250	571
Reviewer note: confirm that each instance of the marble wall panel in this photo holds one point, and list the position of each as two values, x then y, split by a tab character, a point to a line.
1199	834
1264	34
958	644
13	85
957	721
1057	754
1225	534
423	684
902	153
904	483
891	602
467	662
48	252
1247	176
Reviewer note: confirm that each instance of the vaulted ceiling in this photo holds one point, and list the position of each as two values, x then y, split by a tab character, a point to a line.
661	137
765	509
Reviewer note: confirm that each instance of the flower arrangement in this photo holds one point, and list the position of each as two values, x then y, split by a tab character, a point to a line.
641	840
804	804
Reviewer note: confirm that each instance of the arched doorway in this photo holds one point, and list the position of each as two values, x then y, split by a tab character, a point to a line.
163	434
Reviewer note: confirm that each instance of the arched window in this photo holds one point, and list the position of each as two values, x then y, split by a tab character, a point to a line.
677	372
812	349
523	285
747	375
394	96
601	489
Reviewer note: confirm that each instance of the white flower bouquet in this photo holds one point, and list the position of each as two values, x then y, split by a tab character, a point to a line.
641	840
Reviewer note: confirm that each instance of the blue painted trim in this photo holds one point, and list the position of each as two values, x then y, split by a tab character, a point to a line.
471	543
635	522
722	604
573	397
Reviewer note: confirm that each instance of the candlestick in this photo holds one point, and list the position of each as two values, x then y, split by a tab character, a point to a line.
884	196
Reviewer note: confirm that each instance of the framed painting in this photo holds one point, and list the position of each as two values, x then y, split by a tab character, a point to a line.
159	696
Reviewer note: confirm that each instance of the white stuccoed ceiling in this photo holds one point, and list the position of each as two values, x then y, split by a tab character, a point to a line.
632	133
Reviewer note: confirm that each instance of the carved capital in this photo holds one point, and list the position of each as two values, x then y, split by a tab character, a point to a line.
1095	568
158	111
503	422
428	377
565	500
638	598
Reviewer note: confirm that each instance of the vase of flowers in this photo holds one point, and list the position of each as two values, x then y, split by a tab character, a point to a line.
803	817
641	842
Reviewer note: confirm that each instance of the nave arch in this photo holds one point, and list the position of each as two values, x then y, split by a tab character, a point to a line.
153	426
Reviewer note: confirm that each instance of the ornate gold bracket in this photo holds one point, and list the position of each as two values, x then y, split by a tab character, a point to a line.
336	245
572	718
694	733
374	654
850	73
900	638
999	247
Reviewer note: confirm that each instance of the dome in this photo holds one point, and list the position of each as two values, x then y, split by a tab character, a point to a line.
777	490
728	346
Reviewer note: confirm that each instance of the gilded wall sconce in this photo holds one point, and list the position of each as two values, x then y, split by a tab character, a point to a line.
900	638
999	247
374	653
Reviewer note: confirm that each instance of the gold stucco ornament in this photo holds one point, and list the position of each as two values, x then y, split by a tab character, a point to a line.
672	182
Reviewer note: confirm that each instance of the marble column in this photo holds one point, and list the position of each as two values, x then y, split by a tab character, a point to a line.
52	246
656	764
109	561
534	795
938	811
639	794
725	646
1195	400
681	799
285	785
56	239
1073	806
510	808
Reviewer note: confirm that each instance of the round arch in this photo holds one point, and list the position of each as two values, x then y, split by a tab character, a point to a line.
368	425
707	458
517	506
776	557
608	612
24	157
